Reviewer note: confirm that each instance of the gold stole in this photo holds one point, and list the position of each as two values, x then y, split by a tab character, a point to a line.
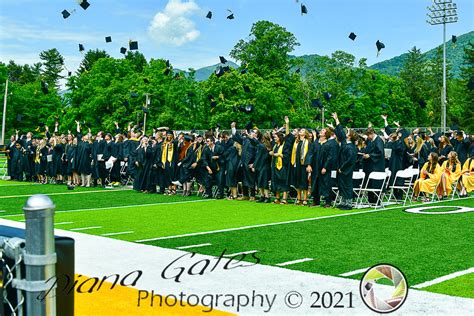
167	155
279	160
198	153
305	151
293	153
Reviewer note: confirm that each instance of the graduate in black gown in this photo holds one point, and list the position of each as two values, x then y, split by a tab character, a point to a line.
232	161
346	163
70	152
117	153
247	160
83	157
375	159
169	157
299	177
9	153
211	157
107	158
187	163
262	166
312	168
461	146
281	154
444	149
144	163
327	162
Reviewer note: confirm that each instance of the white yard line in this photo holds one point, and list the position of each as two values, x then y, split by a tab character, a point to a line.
278	223
118	233
63	223
2	211
85	228
353	272
193	246
294	262
241	253
18	184
122	206
64	193
443	278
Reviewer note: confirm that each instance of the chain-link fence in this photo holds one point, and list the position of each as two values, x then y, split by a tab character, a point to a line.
11	258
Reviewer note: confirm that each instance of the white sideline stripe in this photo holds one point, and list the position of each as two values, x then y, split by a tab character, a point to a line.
443	278
124	206
85	228
241	253
193	246
279	223
353	272
64	193
115	234
294	262
63	223
2	211
18	184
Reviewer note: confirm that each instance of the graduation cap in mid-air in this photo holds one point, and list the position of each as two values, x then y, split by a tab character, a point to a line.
243	71
374	77
167	62
454	39
422	103
246	89
146	81
69	73
352	36
298	70
81	47
316	103
249	126
44	87
145	110
84	4
213	103
470	85
66	14
222	59
19	117
351	106
123	50
133	45
167	71
249	108
304	9
209	15
384	106
219	72
327	96
379	46
292	101
134	94
108	39
231	15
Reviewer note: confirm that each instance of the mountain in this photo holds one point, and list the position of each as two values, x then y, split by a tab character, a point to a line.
205	72
454	56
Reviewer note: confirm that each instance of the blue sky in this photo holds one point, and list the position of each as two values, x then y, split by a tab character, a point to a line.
178	30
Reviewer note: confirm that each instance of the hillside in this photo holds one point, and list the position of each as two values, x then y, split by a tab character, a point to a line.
454	54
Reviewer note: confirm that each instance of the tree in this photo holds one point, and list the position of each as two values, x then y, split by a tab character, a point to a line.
413	75
466	82
267	48
53	64
90	58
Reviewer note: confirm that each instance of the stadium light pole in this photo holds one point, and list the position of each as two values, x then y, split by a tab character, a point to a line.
443	12
4	116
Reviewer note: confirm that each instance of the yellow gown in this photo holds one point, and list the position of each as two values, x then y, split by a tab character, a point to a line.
468	178
428	183
450	176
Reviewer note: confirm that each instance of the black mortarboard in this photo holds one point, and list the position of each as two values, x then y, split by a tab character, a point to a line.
248	108
81	47
19	117
41	124
243	71
209	15
454	127
167	63
222	59
108	39
459	133
191	94
123	50
292	101
188	137
297	71
249	125
454	39
422	103
145	80
66	14
352	36
210	97
374	77
133	94
125	103
351	106
169	132
219	71
44	87
69	73
167	72
133	45
379	45
317	117
384	106
70	187
316	103
145	109
327	96
304	9
241	108
84	4
230	16
390	91
246	89
213	104
218	125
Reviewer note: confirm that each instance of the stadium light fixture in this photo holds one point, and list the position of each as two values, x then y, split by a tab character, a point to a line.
442	12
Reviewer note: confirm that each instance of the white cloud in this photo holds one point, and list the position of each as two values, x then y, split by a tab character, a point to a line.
173	25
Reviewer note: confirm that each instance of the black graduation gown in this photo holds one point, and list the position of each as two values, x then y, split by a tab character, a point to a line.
117	152
346	163
280	176
17	161
70	154
328	161
232	160
185	171
169	167
43	160
145	161
83	156
395	162
444	152
462	149
300	176
248	158
217	170
262	165
312	159
58	151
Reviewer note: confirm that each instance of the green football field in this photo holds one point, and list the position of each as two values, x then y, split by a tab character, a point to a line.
326	241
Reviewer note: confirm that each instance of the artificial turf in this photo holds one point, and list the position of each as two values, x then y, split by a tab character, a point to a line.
460	286
424	247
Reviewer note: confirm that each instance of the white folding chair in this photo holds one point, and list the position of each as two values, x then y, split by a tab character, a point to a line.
406	177
378	192
358	176
335	189
454	188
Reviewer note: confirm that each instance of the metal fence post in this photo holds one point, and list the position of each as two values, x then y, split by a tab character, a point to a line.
40	256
